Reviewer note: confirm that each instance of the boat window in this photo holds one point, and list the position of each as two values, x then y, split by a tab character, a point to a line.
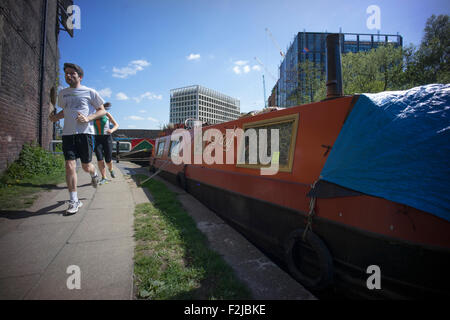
160	148
174	147
287	130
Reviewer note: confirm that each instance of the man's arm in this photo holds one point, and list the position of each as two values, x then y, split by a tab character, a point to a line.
55	117
98	114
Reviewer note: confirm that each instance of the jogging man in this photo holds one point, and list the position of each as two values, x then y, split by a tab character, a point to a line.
81	105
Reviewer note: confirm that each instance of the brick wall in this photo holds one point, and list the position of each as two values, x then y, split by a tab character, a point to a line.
20	56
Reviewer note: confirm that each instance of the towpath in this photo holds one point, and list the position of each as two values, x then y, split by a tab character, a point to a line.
42	252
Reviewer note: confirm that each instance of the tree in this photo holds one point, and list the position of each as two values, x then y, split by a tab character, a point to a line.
434	51
310	81
379	69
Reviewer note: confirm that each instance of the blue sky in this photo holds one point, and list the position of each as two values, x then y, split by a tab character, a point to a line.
134	51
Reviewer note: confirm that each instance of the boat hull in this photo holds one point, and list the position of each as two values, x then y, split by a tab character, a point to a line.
408	270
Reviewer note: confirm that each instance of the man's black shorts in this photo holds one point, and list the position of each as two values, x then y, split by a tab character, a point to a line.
103	146
78	146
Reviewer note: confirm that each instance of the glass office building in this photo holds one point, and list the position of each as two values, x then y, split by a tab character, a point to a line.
200	103
312	46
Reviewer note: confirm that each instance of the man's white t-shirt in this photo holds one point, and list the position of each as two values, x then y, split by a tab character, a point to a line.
83	100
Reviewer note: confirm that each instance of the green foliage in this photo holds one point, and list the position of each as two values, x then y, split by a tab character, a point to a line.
311	84
33	161
390	68
433	54
377	70
34	171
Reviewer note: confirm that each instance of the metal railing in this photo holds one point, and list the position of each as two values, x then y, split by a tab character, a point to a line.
53	146
126	148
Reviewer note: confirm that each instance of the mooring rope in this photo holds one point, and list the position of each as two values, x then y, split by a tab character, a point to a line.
159	170
311	213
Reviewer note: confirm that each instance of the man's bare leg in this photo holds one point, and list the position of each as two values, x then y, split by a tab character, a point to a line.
71	180
71	175
90	168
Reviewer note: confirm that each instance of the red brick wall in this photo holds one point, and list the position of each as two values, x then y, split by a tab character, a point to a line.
20	55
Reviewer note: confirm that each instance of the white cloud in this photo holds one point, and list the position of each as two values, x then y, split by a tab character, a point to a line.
105	93
139	118
140	63
236	69
241	62
131	126
193	56
134	118
242	66
142	111
131	69
121	96
149	96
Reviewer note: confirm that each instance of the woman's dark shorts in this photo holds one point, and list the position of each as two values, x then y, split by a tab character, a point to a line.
78	146
103	147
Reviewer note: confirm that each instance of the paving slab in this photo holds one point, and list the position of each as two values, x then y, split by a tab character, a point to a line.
102	265
31	249
104	224
15	288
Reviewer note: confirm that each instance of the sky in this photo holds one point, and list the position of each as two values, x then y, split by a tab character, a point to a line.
133	52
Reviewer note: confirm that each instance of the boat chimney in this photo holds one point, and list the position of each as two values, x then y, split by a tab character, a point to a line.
334	69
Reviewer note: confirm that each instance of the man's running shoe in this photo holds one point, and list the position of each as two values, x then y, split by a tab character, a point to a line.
73	207
94	181
112	174
103	181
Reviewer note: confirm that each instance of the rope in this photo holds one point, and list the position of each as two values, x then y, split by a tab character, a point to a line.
159	170
311	213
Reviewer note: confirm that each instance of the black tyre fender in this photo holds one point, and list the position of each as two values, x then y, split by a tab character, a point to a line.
293	259
181	180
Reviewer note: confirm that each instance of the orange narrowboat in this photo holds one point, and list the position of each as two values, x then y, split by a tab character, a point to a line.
327	233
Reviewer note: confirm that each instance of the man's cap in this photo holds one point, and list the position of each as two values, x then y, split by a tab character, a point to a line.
107	105
74	66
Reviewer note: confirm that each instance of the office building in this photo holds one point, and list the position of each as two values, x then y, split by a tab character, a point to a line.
200	103
312	46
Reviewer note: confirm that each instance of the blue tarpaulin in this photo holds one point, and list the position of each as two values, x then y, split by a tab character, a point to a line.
396	145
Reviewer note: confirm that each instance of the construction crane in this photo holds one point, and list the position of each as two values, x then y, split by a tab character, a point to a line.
264	85
262	65
275	42
264	81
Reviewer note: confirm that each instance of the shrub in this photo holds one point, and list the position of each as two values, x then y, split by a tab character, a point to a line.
34	161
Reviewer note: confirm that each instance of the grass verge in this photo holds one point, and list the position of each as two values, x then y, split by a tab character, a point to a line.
172	257
21	193
35	170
